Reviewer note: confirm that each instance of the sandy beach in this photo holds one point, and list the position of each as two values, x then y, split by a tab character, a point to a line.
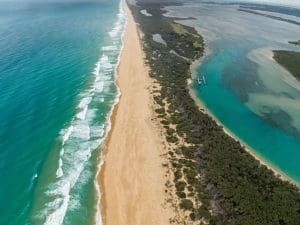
195	65
250	150
132	179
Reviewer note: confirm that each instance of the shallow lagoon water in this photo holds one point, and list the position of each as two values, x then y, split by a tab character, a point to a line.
247	91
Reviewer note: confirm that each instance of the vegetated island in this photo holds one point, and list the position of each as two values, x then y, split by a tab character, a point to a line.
295	42
290	60
269	16
215	180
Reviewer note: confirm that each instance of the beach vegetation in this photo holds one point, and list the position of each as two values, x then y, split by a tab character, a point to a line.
171	138
181	194
202	212
186	204
159	100
190	188
160	110
176	165
229	185
180	185
290	60
177	174
170	131
178	28
165	122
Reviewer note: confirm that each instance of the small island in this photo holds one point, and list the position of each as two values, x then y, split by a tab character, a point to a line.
290	60
295	42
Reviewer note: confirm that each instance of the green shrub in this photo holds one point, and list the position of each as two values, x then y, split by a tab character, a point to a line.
180	185
188	152
172	139
177	174
186	204
192	216
160	111
190	188
170	131
181	194
165	122
202	212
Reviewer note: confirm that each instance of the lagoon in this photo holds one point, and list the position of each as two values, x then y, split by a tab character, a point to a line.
247	91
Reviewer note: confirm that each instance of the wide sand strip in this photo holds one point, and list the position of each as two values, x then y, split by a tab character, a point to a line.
132	179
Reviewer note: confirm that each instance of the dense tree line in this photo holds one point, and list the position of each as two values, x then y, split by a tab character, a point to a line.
214	176
289	60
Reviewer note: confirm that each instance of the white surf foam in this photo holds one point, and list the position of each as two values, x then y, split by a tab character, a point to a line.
59	171
110	48
61	190
83	136
65	137
97	131
66	134
57	216
81	115
82	131
120	24
99	86
98	191
84	102
97	69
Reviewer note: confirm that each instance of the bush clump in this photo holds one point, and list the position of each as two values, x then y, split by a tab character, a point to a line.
180	185
177	174
160	111
172	139
181	194
186	204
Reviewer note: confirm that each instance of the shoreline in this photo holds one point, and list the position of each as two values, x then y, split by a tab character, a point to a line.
117	212
212	173
132	174
202	107
268	54
103	150
101	204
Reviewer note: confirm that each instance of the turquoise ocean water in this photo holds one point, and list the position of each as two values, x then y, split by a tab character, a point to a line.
248	92
57	73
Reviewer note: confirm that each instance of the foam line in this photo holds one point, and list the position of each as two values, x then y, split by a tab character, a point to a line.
83	135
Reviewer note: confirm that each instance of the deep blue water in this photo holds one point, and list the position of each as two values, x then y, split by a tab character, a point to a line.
57	62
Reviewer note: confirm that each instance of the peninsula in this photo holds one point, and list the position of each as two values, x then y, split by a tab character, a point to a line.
168	162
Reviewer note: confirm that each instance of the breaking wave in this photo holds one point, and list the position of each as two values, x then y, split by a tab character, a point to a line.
85	134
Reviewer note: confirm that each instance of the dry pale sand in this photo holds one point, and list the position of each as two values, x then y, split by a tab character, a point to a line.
132	179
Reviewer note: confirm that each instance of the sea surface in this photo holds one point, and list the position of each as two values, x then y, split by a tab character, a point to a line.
246	90
57	89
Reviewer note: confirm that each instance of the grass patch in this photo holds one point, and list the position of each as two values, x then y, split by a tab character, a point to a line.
179	29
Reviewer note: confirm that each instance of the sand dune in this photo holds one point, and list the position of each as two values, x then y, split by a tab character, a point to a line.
132	179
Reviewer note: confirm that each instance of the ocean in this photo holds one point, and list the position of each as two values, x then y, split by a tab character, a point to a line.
57	91
246	90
